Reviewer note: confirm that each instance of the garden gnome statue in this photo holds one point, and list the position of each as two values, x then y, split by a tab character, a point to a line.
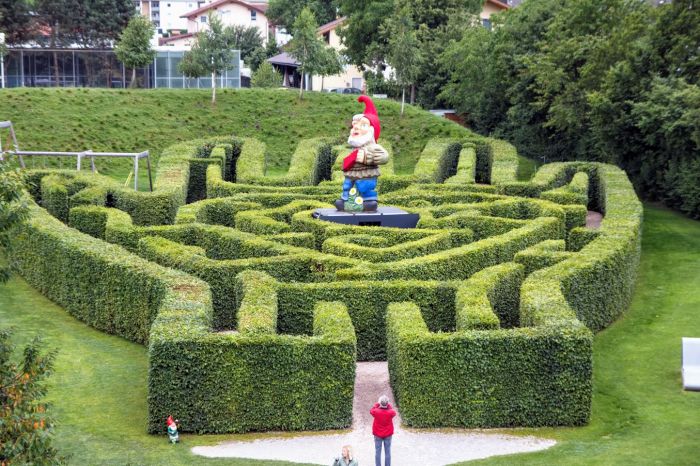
172	430
361	165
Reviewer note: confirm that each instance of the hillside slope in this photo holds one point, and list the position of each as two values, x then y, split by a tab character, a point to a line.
134	120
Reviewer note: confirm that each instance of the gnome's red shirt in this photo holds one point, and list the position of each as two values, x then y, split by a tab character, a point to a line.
383	425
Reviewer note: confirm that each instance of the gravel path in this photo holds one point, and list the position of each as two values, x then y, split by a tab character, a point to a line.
593	219
410	447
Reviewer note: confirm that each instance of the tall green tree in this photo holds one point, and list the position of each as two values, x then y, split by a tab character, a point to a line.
436	22
101	21
365	45
15	20
309	50
404	50
613	81
247	39
134	46
260	54
62	18
26	435
284	12
212	52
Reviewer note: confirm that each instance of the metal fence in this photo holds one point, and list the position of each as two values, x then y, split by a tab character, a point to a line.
100	68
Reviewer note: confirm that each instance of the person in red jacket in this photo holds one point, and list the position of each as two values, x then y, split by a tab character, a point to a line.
383	429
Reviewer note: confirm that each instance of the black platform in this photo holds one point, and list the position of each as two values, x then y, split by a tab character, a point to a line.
383	217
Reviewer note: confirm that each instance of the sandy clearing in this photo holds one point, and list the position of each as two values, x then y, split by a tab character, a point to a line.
410	447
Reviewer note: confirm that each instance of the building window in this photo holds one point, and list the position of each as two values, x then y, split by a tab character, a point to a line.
486	23
327	37
253	15
203	19
155	4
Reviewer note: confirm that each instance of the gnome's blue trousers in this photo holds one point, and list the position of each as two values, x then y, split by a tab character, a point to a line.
366	188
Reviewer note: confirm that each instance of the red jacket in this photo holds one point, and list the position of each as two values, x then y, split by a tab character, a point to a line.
383	426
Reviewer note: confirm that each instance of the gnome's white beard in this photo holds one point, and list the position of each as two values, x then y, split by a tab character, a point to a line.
359	141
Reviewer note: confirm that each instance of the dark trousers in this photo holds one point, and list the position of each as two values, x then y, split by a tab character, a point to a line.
378	441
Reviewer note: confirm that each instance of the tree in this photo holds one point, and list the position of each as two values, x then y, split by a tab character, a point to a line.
613	81
361	37
436	23
311	51
266	76
102	21
134	46
330	63
284	12
212	52
260	54
247	39
15	20
404	50
62	19
13	208
27	432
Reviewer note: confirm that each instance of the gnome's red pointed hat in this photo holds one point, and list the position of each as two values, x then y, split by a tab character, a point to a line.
169	421
371	114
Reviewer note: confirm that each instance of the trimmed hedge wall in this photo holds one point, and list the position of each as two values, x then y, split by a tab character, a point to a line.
438	161
462	262
254	380
538	376
466	167
495	335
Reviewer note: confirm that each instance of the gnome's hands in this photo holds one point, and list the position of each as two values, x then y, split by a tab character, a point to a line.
361	156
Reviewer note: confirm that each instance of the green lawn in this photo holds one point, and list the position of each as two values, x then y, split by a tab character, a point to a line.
640	413
136	120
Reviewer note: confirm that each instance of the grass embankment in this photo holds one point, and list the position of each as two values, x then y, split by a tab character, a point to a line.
640	413
137	120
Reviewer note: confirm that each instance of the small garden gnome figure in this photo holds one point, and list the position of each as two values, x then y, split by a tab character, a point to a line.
361	165
172	430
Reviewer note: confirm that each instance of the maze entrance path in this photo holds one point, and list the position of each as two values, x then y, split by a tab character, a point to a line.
414	447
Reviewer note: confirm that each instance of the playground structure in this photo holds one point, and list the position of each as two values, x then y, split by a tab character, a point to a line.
136	156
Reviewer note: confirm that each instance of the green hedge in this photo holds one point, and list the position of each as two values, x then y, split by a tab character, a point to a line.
489	299
250	166
505	161
462	262
537	376
438	161
252	380
495	352
466	167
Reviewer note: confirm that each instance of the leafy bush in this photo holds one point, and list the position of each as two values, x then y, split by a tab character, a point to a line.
266	76
27	431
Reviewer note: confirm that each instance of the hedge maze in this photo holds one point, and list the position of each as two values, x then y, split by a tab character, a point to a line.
255	314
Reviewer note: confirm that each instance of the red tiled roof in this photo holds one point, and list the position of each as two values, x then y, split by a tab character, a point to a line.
501	4
259	8
165	40
332	25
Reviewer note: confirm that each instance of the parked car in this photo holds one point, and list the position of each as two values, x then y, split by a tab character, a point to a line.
345	90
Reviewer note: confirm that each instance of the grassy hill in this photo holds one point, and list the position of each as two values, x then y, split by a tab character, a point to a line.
136	120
